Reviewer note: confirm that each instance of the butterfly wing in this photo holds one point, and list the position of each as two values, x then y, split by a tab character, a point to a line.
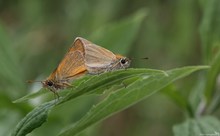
77	45
72	65
96	56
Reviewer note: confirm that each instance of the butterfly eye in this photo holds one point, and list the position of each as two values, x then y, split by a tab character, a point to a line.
123	61
49	83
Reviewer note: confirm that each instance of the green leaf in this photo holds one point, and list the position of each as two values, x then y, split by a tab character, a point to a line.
196	127
120	34
136	84
125	97
33	120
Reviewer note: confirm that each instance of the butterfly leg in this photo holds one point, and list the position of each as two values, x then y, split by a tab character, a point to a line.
56	95
67	84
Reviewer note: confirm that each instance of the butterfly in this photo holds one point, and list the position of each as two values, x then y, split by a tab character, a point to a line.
99	60
70	67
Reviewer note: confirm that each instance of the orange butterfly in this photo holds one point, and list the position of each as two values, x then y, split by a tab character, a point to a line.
71	67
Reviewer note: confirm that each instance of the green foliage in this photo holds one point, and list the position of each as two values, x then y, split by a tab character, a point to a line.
147	84
205	96
142	83
34	35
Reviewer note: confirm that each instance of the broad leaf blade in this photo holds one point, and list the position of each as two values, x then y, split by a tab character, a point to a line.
125	97
134	79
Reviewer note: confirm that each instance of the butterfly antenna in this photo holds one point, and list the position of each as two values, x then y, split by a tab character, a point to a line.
32	81
145	58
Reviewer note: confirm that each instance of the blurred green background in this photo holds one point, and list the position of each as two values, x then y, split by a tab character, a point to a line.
34	36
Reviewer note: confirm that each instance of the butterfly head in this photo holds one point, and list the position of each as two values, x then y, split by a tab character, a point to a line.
123	61
49	84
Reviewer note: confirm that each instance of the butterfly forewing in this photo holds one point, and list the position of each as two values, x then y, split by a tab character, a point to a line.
70	68
96	56
71	65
